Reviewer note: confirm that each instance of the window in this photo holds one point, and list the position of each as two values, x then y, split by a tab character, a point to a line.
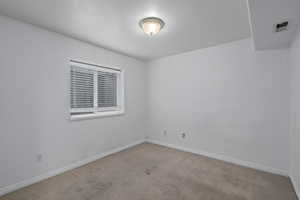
95	91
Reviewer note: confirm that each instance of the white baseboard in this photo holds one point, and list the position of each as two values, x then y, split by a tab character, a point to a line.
19	185
296	188
224	158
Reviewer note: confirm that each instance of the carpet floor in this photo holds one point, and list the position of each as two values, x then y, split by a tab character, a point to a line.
153	172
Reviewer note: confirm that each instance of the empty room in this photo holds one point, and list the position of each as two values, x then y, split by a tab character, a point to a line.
149	100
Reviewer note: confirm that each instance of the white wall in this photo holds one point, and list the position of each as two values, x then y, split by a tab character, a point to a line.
34	116
295	113
229	99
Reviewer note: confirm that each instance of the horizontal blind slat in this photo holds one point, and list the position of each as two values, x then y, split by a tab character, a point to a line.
82	88
107	89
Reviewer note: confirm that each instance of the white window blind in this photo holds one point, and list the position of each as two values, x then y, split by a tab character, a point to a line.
82	89
95	89
107	89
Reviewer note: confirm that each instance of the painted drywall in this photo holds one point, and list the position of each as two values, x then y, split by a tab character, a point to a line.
229	100
34	103
295	113
264	14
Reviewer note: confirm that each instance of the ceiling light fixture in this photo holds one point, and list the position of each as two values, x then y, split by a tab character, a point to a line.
152	25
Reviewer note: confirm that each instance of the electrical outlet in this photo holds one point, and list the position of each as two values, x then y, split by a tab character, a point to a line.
183	135
165	132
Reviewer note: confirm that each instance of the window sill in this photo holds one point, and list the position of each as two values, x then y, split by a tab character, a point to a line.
96	115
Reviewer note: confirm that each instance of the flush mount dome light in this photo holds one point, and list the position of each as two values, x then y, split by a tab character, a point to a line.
151	25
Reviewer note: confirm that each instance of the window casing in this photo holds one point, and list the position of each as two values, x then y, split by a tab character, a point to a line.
95	91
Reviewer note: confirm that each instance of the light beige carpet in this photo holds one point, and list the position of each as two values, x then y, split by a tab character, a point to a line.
152	172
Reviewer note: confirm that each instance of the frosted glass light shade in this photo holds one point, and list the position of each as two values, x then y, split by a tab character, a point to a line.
151	25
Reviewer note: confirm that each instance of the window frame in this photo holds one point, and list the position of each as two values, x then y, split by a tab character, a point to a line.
98	111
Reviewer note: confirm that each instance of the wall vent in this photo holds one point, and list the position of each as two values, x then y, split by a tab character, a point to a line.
282	26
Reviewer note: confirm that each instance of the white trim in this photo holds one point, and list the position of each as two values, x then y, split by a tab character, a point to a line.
224	158
296	187
81	110
14	187
95	65
116	108
94	68
97	115
121	94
